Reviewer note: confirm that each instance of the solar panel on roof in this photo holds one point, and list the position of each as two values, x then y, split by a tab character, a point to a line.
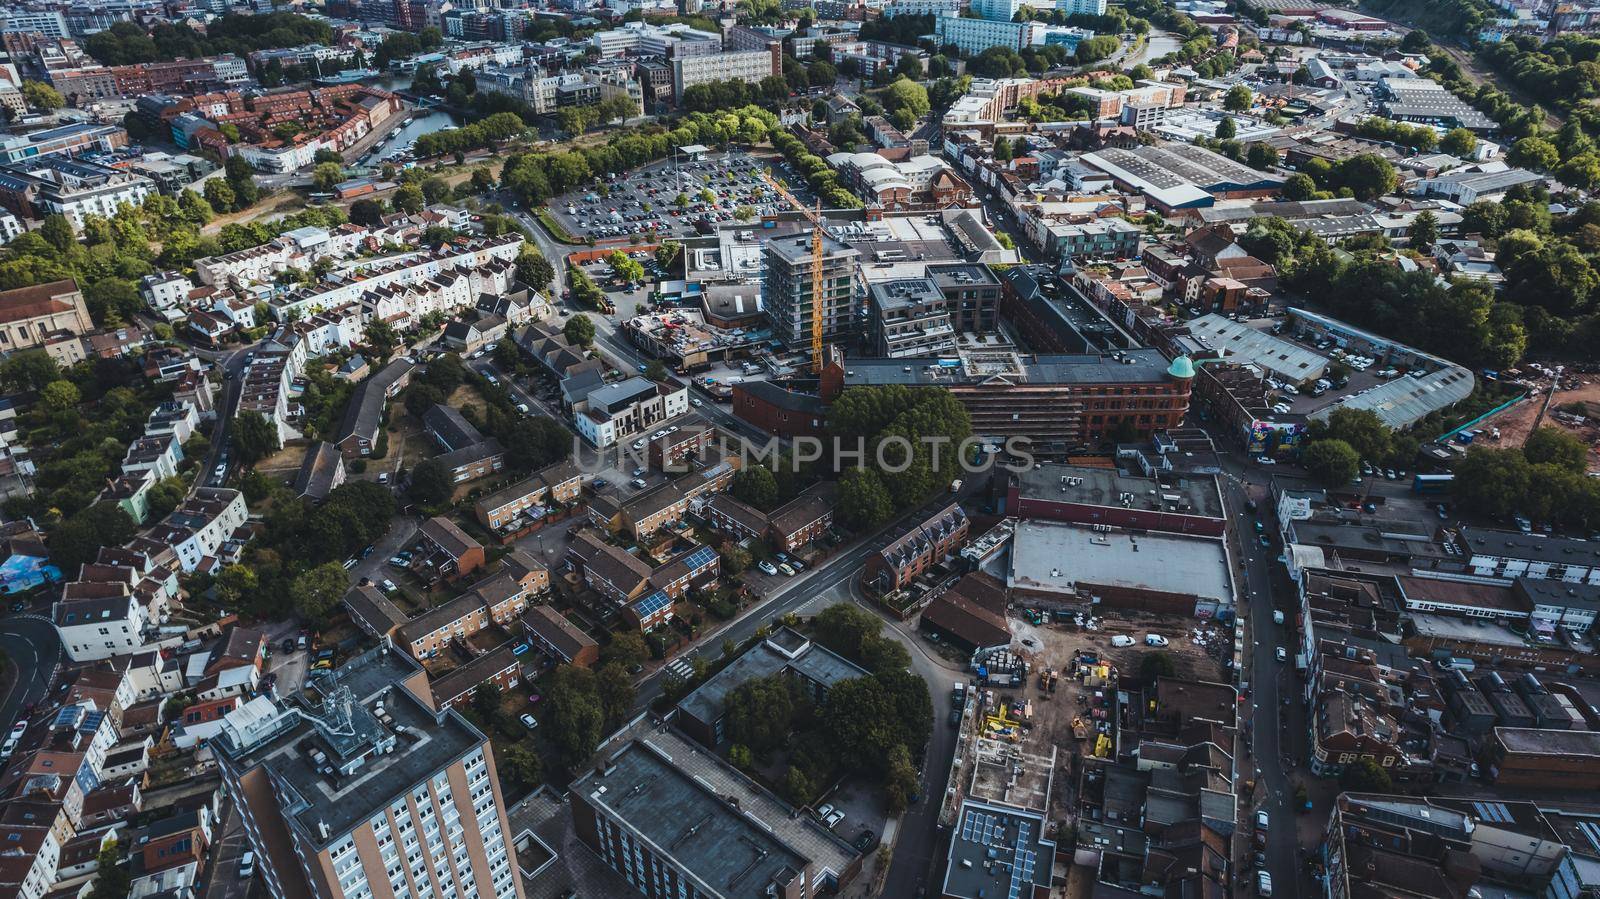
701	557
653	603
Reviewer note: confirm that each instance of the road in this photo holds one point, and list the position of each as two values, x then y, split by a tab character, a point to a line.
1276	727
231	362
34	650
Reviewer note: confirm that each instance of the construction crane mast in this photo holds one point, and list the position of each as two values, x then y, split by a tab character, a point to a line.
815	218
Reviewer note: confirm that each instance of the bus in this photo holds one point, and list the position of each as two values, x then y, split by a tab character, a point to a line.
1432	483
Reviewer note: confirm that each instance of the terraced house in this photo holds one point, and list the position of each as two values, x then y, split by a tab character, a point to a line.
496	600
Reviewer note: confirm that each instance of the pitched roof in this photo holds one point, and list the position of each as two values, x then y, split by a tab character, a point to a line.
554	628
41	299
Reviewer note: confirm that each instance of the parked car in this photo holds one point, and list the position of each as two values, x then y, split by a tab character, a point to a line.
787	571
833	820
767	567
528	721
1282	654
1263	883
1122	640
1155	640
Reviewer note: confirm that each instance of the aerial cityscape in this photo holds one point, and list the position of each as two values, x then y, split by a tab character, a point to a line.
964	449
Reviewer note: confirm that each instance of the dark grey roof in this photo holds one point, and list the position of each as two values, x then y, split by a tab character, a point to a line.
1534	548
450	427
770	656
1146	367
318	471
365	413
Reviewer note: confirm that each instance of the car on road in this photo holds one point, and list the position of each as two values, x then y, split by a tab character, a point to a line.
1155	640
696	402
528	721
767	567
1282	654
1263	883
20	605
1122	640
1266	460
1265	543
1263	822
955	717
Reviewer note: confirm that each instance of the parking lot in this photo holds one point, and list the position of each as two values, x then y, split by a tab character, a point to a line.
1349	374
647	200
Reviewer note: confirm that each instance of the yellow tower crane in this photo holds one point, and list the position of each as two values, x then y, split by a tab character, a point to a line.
815	217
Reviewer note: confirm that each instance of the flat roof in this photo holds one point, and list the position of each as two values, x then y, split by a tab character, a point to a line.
777	652
1542	741
1402	402
1058	557
726	850
996	851
268	733
1145	366
1107	487
1461	593
1532	547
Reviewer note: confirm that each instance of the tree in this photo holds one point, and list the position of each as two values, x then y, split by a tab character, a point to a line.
1239	99
42	96
79	539
367	212
220	194
254	437
1556	447
1226	129
445	373
1535	153
626	648
59	396
235	585
734	558
430	483
409	199
520	767
579	330
667	254
57	231
381	338
319	591
759	714
1002	149
864	501
755	486
533	269
615	688
111	879
901	781
907	94
1459	142
326	175
1415	41
1300	187
844	627
575	719
1424	231
1366	175
1366	776
1332	462
29	370
1260	156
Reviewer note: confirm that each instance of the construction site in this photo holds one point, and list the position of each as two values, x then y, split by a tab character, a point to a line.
1042	721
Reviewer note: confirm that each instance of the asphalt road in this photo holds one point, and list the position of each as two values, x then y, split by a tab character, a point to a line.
35	651
233	362
1275	726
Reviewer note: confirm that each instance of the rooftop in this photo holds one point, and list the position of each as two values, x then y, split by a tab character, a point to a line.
1006	366
1531	547
1057	557
786	648
1109	487
372	765
728	851
997	851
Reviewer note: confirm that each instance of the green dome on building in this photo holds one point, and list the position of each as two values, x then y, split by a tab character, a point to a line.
1181	367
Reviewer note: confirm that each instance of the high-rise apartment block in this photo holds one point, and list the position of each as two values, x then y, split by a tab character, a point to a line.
788	288
368	791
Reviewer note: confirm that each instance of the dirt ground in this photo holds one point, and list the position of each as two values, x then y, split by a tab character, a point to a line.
1516	423
283	464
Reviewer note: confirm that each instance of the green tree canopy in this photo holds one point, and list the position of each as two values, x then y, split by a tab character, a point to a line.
1331	462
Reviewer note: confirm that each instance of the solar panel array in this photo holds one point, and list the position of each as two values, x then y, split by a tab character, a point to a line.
990	830
700	558
653	603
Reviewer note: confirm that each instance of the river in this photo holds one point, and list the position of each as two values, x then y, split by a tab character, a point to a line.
1157	44
425	121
